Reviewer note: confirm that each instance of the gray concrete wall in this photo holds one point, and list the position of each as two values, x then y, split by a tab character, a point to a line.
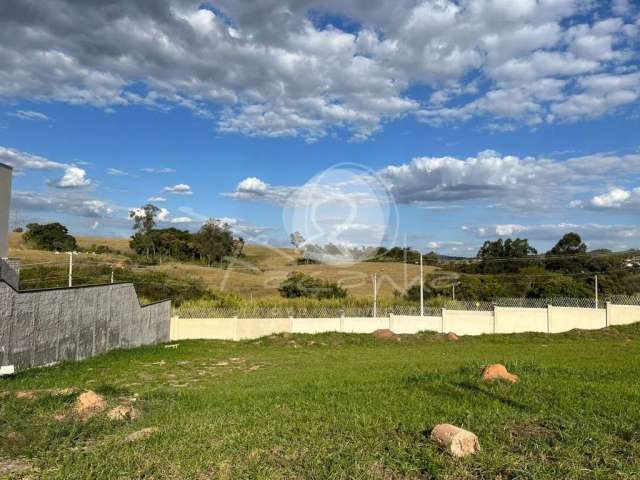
5	204
10	272
48	326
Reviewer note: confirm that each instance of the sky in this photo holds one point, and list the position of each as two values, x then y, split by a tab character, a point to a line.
439	123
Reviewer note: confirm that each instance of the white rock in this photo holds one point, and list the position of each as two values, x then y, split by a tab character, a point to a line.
456	441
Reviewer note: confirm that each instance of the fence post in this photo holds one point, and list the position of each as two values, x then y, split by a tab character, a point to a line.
549	308
442	314
606	314
236	333
495	316
173	327
391	321
342	321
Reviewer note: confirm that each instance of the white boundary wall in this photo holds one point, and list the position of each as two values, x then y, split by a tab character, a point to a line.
462	322
5	204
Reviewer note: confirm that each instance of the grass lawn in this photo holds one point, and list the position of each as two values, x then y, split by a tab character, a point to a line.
340	406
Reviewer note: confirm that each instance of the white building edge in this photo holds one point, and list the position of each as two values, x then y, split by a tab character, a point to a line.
6	172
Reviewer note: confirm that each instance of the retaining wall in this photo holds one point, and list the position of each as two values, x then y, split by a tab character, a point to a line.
41	327
462	322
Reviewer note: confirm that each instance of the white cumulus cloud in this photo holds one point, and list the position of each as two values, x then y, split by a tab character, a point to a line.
179	189
74	177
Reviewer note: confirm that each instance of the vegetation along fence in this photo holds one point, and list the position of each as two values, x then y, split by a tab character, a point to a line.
280	311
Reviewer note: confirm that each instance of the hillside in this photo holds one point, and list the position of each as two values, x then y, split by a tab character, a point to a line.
258	274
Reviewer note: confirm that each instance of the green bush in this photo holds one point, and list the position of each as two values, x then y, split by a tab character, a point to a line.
298	284
52	236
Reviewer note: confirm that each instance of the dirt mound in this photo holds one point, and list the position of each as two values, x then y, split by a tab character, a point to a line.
452	337
454	440
498	371
89	404
385	334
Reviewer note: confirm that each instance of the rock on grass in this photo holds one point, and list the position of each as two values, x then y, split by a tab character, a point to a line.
454	440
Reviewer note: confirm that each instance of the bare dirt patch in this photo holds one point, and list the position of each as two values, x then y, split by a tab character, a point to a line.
141	434
8	466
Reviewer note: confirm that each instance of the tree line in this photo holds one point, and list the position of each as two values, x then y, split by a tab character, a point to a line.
513	268
212	244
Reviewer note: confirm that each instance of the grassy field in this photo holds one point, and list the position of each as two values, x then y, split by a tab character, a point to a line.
340	407
258	275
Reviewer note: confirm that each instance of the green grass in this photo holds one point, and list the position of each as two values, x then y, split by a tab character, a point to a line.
340	407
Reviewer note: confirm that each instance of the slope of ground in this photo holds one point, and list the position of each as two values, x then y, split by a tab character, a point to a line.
338	406
258	274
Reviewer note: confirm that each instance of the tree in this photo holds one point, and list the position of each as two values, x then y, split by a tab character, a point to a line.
298	285
52	236
569	244
214	241
296	240
506	249
496	256
144	220
238	247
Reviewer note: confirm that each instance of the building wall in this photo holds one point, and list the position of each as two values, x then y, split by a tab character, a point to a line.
5	204
54	325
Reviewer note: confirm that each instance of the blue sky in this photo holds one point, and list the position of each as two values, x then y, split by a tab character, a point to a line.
479	119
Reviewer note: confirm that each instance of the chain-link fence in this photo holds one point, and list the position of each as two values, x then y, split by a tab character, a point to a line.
255	311
624	299
554	301
299	312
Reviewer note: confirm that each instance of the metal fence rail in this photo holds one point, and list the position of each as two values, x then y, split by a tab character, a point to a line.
251	311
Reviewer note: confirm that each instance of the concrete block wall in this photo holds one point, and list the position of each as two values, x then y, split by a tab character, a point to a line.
49	326
10	272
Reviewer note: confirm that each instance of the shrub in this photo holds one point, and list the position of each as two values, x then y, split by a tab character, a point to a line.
298	284
52	236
